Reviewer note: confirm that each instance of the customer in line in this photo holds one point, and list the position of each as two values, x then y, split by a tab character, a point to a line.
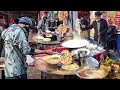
16	49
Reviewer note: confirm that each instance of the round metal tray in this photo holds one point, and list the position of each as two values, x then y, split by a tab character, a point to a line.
43	66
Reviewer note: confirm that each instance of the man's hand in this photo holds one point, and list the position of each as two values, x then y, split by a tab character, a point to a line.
83	26
42	33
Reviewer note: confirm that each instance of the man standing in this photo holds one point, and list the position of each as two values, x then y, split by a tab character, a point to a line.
101	27
16	49
85	34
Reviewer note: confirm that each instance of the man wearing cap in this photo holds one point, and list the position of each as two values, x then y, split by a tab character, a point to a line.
16	49
101	27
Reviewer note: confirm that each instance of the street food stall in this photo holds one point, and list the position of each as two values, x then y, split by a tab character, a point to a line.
74	57
71	57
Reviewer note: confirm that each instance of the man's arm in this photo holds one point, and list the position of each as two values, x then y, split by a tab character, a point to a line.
87	27
25	47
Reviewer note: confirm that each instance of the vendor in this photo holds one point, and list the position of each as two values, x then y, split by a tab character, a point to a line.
17	47
52	25
42	25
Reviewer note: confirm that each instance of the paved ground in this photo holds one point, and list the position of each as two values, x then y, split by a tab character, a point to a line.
33	73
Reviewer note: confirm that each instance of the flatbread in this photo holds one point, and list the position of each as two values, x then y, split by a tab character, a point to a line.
62	15
66	60
66	57
53	59
39	37
67	53
46	39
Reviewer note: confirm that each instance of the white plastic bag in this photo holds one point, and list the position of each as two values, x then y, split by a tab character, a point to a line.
29	60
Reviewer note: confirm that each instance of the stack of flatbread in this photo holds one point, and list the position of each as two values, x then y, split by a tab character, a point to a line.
62	15
66	57
62	29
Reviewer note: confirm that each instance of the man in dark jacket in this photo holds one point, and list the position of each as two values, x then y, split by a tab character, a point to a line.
101	27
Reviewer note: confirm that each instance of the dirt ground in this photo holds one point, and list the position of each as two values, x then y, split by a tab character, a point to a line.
33	73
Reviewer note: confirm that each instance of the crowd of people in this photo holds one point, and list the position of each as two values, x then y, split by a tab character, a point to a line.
14	45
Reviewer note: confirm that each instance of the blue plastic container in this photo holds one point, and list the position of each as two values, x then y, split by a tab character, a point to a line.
118	43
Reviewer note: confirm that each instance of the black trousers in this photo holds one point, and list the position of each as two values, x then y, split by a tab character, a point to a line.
24	76
3	75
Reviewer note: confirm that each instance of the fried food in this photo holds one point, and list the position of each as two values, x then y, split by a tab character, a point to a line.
106	68
62	15
66	53
107	62
66	57
62	29
66	60
53	59
70	67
